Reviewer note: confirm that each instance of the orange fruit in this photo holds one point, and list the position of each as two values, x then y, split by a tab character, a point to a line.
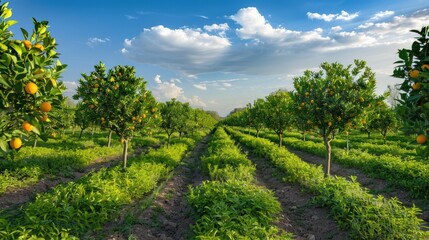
156	116
44	118
31	88
361	99
15	143
299	108
311	101
91	106
302	104
425	66
416	86
329	123
153	110
306	93
363	122
27	126
27	44
39	71
421	139
143	115
414	73
102	119
133	118
54	135
45	107
54	82
39	46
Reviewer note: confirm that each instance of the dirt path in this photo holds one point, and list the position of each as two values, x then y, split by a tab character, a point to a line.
14	198
299	216
376	186
168	216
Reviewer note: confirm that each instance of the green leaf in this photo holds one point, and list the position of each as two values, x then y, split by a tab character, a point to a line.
36	130
24	33
17	49
4	145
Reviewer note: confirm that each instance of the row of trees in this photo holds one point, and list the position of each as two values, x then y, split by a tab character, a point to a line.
334	99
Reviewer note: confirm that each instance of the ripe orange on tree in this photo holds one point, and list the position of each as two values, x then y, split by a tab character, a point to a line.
31	88
39	46
425	66
27	126
27	44
15	143
45	107
414	73
416	86
421	139
44	118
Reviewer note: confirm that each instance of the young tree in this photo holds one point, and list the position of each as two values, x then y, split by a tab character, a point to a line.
278	108
333	97
384	120
28	80
173	115
258	114
84	117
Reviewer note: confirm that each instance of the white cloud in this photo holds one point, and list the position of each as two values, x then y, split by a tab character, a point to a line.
382	14
227	84
70	88
130	17
324	17
157	79
164	91
366	25
201	86
174	48
217	27
93	41
336	28
202	16
345	16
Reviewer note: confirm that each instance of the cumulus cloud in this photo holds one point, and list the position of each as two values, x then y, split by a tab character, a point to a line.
93	41
217	27
336	28
345	16
366	25
382	14
166	90
172	48
70	88
130	17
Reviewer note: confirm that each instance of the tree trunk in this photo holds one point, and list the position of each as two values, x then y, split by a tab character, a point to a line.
35	141
125	155
369	134
92	133
384	136
347	143
109	139
168	142
80	135
303	136
327	166
280	138
257	133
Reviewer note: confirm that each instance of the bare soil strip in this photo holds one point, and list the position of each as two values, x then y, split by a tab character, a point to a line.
299	216
168	216
375	186
15	197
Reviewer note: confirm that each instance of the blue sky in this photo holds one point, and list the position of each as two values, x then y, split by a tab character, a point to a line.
219	55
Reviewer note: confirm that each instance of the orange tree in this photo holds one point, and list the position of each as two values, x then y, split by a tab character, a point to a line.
278	112
333	97
258	115
173	115
83	117
413	67
28	80
120	101
384	120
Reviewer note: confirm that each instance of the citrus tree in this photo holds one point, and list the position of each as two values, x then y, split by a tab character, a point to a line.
333	97
173	115
413	68
119	100
278	112
28	80
258	114
83	117
384	120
